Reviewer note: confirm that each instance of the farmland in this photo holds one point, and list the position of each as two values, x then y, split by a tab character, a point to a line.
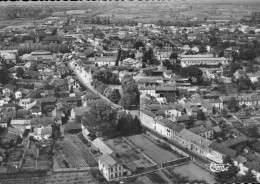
151	149
73	153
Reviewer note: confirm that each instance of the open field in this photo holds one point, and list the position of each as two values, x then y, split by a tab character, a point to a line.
127	154
194	172
156	153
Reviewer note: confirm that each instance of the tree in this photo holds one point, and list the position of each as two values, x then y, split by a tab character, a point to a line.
248	178
71	89
4	75
232	103
234	55
201	115
192	71
107	92
224	112
244	83
126	101
167	64
248	54
221	53
174	56
234	67
213	41
19	72
96	83
132	89
225	176
118	56
148	56
138	44
143	65
203	49
102	88
176	68
126	80
98	115
115	96
128	125
170	98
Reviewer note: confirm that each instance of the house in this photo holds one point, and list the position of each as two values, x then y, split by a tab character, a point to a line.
21	123
147	118
194	142
111	168
238	142
73	128
89	97
21	92
245	166
163	54
42	133
105	61
48	104
35	108
217	103
8	89
99	144
218	152
183	120
239	73
79	111
202	131
73	101
72	82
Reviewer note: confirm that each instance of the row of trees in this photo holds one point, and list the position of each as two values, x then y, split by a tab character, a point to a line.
130	92
55	48
112	94
97	20
106	76
100	118
128	125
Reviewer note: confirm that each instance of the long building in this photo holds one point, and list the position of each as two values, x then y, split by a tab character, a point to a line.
189	60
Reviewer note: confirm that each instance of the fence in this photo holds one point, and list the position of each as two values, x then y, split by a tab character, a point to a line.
73	169
176	162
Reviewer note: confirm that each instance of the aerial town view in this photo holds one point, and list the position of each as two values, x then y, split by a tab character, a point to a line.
130	92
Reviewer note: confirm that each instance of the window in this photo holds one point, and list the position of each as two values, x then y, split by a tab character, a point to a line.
111	169
112	176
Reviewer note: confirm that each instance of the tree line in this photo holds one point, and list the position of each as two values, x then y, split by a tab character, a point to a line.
54	48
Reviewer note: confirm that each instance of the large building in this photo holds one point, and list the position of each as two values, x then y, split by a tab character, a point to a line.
189	60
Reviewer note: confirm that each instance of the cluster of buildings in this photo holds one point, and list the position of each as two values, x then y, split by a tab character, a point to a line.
48	94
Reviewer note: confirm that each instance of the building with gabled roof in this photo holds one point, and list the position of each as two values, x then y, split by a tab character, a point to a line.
111	168
218	152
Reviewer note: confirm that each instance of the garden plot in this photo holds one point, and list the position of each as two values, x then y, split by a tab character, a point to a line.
73	153
150	149
127	154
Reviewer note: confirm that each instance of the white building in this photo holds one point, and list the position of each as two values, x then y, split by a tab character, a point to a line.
189	61
110	168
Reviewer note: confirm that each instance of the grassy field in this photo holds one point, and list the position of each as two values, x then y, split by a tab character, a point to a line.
194	172
149	148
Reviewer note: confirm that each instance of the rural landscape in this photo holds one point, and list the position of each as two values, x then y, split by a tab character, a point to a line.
140	92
